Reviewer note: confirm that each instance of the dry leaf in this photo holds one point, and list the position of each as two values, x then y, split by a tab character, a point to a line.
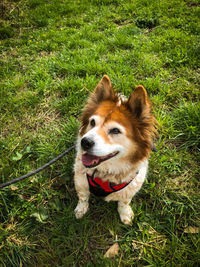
14	188
191	230
32	179
112	251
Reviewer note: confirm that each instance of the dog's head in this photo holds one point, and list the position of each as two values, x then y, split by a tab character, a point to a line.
115	129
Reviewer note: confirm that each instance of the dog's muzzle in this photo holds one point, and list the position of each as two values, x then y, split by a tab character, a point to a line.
87	143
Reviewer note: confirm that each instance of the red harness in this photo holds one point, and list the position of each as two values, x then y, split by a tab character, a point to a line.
102	189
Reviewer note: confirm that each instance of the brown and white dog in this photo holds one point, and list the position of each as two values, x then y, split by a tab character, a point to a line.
113	146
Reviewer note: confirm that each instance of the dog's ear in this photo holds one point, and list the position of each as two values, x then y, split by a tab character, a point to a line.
138	103
103	91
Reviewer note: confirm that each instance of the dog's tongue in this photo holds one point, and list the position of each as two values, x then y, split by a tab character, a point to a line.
88	159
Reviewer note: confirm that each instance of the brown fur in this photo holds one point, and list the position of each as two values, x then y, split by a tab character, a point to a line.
135	115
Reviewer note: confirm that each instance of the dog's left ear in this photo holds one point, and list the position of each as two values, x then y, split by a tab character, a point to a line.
103	91
139	103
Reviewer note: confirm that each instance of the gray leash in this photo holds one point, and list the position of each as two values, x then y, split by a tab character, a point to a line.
37	170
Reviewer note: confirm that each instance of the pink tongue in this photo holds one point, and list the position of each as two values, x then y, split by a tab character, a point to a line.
88	159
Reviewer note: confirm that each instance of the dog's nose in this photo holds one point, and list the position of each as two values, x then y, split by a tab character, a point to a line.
86	143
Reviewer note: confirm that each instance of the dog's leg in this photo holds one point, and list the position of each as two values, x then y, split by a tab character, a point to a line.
83	204
82	189
125	212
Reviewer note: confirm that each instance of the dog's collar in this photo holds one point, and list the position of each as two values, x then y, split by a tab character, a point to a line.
102	189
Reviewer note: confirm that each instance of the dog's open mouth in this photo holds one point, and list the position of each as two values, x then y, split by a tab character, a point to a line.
91	161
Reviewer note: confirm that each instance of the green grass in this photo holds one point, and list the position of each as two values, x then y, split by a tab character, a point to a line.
53	53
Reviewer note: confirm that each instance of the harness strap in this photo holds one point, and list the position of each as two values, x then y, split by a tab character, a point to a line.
103	188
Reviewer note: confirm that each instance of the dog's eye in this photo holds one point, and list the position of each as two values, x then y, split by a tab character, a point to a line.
92	123
115	131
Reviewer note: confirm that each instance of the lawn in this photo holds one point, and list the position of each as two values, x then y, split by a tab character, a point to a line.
52	54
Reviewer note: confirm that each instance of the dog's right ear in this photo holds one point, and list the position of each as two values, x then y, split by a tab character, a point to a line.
103	91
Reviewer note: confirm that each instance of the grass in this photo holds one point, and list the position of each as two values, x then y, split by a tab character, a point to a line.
53	53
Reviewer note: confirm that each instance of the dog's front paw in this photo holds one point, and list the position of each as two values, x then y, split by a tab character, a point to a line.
81	209
126	214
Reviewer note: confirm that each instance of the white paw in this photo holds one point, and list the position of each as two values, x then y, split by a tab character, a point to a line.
81	209
126	214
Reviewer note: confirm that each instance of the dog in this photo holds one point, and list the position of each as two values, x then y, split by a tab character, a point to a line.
113	146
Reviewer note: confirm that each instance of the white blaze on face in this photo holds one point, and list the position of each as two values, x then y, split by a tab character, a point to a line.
104	146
